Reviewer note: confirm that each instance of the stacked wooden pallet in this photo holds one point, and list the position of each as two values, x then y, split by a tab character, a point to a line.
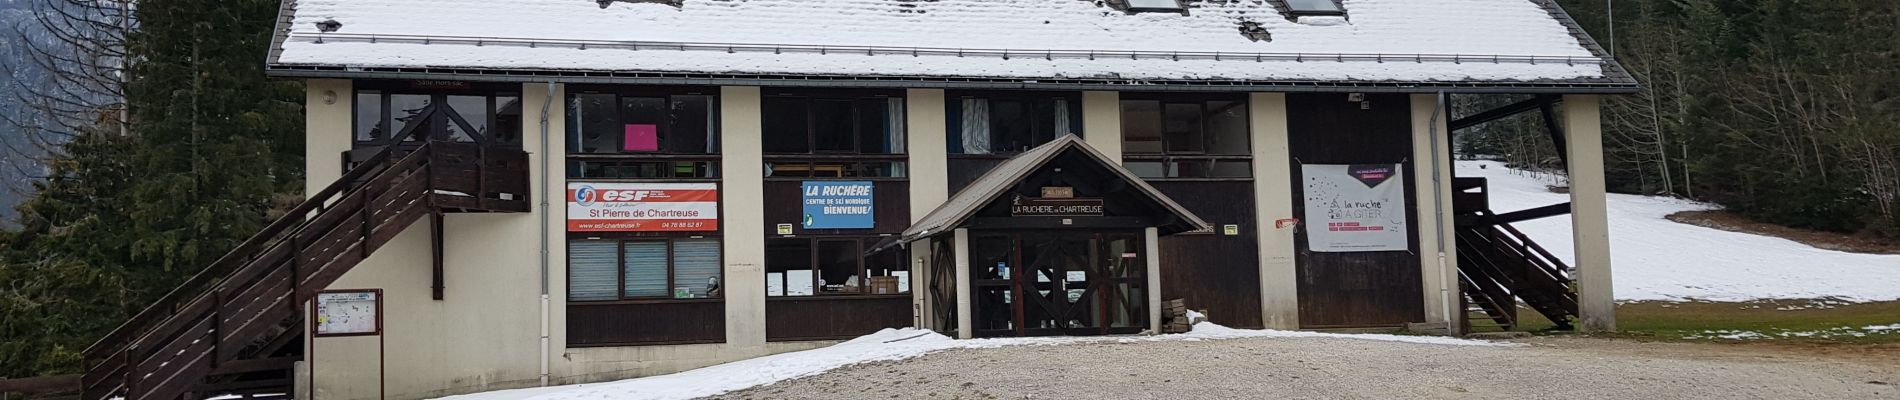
1174	317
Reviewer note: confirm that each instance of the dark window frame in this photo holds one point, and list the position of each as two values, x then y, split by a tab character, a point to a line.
1339	10
620	267
1173	160
438	119
808	98
706	165
953	113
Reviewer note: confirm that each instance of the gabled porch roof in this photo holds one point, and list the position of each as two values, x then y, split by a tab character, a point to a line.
992	186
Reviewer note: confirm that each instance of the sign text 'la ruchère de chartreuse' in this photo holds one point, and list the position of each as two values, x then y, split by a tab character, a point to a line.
642	207
838	205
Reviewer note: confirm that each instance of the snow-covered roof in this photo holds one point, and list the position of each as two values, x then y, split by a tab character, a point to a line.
1377	41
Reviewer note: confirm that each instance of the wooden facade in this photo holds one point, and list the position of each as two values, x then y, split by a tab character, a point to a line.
1212	270
1363	289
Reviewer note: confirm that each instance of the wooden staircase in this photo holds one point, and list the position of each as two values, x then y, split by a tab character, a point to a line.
1499	266
236	328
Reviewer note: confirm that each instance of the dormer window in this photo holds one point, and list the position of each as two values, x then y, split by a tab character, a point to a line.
1156	5
1315	7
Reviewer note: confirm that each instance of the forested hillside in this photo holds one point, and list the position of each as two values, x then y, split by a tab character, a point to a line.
1787	111
126	210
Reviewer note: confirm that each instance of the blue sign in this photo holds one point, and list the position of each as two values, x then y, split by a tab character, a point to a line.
838	205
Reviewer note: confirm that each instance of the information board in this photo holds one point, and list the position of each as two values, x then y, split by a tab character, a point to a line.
349	313
1355	208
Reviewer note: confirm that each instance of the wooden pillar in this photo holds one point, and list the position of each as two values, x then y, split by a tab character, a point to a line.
1590	224
1102	123
1273	201
742	175
964	329
1151	243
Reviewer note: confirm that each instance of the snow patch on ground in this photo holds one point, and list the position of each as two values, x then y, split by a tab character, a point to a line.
1654	258
885	345
1844	332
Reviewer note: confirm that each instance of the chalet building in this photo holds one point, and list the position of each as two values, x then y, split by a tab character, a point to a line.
514	193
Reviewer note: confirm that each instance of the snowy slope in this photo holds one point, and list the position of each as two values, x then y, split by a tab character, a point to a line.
1657	259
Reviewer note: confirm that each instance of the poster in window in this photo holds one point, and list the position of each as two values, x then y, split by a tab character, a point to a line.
641	137
838	205
642	207
348	313
1355	208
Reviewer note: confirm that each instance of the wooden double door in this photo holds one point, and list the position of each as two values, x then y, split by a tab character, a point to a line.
1058	283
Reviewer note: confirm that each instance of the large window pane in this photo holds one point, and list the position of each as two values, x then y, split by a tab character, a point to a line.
643	122
785	125
874	127
592	270
1141	127
693	130
644	264
890	265
507	129
696	267
470	110
788	270
598	117
369	116
410	114
1227	128
1010	126
832	122
838	267
1183	128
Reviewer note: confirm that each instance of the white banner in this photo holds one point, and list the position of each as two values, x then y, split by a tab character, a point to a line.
1353	208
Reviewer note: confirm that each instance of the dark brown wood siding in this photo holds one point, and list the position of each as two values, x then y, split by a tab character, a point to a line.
1214	272
1364	289
646	323
841	317
784	204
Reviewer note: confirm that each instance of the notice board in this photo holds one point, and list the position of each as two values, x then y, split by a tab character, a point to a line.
349	313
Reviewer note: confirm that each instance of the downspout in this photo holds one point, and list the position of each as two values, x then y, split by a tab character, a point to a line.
546	103
1438	202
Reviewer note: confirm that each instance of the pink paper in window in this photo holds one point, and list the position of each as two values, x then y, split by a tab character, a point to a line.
642	137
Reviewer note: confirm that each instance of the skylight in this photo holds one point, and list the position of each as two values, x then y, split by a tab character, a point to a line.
1156	5
1311	7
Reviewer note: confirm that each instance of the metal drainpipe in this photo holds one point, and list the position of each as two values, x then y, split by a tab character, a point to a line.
546	103
1438	202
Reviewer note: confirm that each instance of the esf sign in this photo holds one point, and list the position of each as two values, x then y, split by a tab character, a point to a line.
838	205
642	207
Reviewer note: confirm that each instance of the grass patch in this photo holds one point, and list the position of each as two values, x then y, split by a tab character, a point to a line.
1819	321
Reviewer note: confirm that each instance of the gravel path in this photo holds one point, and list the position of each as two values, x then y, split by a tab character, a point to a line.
1353	369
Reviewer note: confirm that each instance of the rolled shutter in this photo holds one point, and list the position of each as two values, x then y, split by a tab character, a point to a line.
646	269
592	270
696	265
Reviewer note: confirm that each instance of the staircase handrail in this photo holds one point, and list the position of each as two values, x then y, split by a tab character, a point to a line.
1556	269
112	342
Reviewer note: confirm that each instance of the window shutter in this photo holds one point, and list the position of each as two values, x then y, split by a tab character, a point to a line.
591	270
696	263
646	269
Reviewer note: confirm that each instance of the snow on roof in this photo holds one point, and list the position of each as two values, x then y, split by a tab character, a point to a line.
1379	41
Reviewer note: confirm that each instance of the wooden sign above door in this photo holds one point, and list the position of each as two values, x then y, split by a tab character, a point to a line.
1043	207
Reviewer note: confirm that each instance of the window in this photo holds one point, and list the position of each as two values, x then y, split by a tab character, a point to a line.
631	269
830	267
609	123
1186	138
833	125
1154	5
1314	7
1010	124
387	117
642	135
